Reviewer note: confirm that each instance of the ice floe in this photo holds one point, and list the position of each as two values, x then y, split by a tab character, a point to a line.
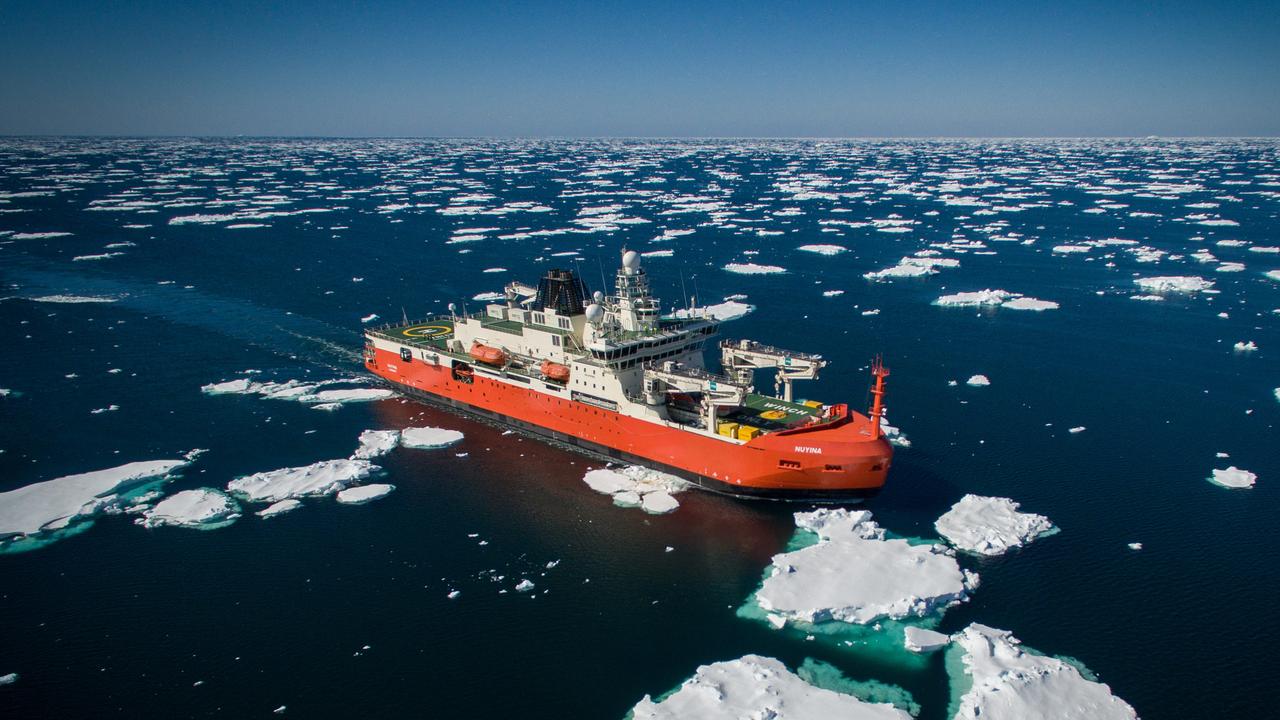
429	438
298	391
754	269
1173	283
376	443
1245	346
364	493
8	678
201	508
279	508
322	478
1233	477
978	381
637	486
758	688
969	299
990	525
923	640
1028	303
73	299
824	249
1006	680
990	298
46	510
855	574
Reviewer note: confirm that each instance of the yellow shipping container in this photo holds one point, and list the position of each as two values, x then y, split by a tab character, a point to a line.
815	404
727	429
746	432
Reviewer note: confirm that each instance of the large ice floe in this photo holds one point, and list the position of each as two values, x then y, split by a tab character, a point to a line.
855	574
990	525
754	269
997	678
364	493
824	249
204	508
1173	283
376	443
995	298
429	438
1233	477
758	687
36	514
323	478
637	486
310	393
909	267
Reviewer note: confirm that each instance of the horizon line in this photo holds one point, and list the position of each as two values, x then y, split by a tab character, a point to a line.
243	136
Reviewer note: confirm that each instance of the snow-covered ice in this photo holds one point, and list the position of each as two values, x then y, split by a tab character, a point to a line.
754	269
856	575
1027	303
978	381
364	493
659	503
1173	283
298	391
280	508
1245	346
990	525
429	438
637	486
1233	477
758	688
1006	680
322	478
203	507
969	299
824	249
376	443
923	640
53	505
73	299
524	585
8	679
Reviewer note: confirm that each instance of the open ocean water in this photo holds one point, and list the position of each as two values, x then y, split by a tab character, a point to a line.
228	255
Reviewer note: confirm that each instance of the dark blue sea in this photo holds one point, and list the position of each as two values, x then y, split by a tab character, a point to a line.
221	256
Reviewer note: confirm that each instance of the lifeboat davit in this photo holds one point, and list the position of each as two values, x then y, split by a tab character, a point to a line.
488	355
555	371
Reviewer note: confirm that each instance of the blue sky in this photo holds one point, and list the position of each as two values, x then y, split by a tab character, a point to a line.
640	69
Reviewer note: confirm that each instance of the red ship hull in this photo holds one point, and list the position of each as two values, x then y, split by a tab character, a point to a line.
836	461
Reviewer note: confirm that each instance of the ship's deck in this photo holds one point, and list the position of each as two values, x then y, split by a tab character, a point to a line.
434	334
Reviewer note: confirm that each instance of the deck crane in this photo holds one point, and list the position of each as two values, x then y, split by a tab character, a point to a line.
741	359
716	391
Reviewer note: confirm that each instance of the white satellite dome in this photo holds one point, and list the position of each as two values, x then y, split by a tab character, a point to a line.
631	260
595	313
597	297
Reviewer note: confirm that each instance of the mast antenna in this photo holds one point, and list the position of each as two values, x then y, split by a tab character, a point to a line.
880	372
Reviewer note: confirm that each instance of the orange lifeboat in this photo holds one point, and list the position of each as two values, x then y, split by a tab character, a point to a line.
555	371
488	355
